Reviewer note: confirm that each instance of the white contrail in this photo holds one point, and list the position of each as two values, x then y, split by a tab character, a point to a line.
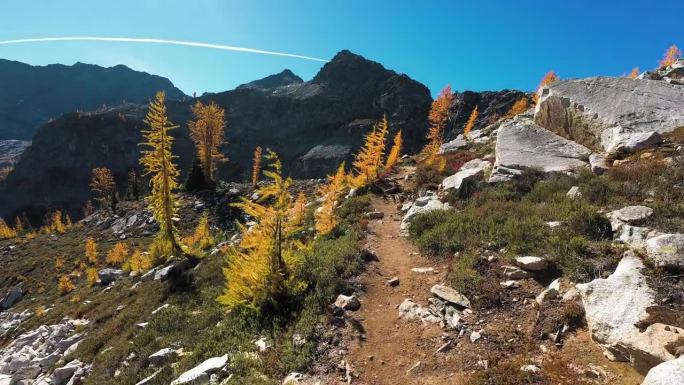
159	41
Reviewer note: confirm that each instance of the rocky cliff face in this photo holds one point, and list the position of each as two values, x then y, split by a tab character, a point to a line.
32	95
491	106
296	119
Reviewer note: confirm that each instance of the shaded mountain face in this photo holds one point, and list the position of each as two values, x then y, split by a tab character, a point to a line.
491	106
294	118
32	95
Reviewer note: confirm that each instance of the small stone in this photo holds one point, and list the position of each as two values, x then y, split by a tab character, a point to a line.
450	295
422	270
574	192
530	263
474	336
530	369
393	282
416	368
513	272
347	302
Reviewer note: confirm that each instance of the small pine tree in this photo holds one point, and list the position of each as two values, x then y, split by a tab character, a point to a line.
368	161
158	160
104	187
138	262
56	223
6	232
671	56
326	219
91	250
520	106
206	130
394	154
438	118
634	73
471	123
259	272
117	255
256	166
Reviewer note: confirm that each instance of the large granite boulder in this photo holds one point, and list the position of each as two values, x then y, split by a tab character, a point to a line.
666	250
667	373
522	144
620	115
614	305
472	170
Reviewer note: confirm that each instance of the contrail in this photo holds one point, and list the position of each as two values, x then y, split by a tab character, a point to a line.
160	41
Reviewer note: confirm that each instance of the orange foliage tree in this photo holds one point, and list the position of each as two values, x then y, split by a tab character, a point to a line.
548	78
368	161
671	56
206	130
394	154
471	123
438	117
634	73
103	185
520	106
325	216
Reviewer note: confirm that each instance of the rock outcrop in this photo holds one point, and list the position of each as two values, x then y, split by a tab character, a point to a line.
522	144
11	150
667	373
618	115
421	205
613	306
470	171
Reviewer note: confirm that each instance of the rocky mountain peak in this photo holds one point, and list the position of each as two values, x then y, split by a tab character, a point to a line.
284	78
349	67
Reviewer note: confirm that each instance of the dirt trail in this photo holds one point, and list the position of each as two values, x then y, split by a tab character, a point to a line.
392	346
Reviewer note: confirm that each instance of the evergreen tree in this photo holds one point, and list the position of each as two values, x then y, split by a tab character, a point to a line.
326	219
394	154
256	166
206	130
369	159
471	123
438	118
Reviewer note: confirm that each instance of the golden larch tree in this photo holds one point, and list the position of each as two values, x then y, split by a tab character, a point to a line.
671	56
470	123
158	160
91	250
521	105
634	73
6	232
206	130
438	118
326	219
298	211
394	154
118	254
549	77
259	272
103	185
256	166
368	161
201	239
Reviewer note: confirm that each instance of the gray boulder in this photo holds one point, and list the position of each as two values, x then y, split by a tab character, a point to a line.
631	214
531	263
621	115
162	356
347	302
667	373
450	295
200	373
453	145
410	310
108	275
614	305
13	296
666	250
598	164
421	205
522	144
471	170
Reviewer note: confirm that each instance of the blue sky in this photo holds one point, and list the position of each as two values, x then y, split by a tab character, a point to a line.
474	45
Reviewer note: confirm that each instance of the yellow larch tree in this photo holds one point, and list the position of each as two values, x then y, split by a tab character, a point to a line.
470	123
118	254
104	187
520	106
326	219
438	118
634	73
256	166
368	161
6	232
201	239
671	56
298	211
394	154
259	271
206	130
91	250
158	161
549	77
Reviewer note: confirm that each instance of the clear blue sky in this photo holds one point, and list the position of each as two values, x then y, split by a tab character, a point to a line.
475	45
